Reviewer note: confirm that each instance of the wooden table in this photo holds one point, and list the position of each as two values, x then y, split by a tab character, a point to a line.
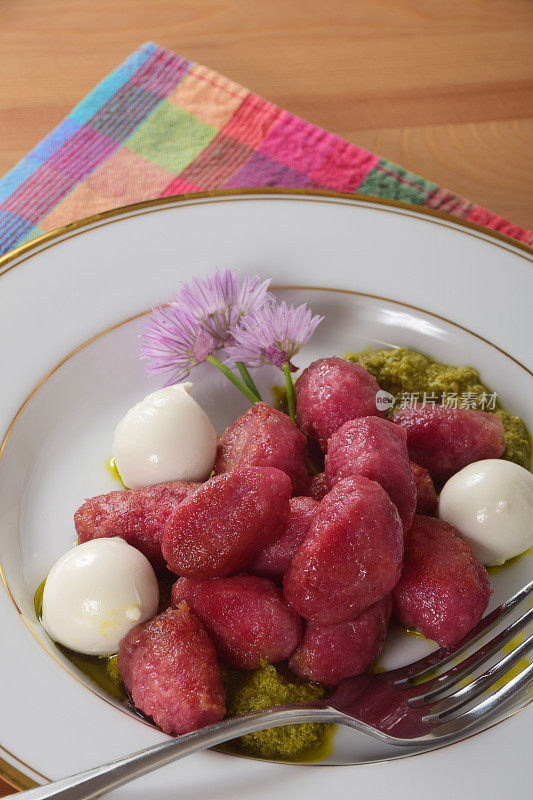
446	89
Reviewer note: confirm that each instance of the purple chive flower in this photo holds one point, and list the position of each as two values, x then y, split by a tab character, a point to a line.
220	301
272	335
173	342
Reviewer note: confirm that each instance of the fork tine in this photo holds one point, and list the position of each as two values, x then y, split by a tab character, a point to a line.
453	702
452	676
405	676
486	707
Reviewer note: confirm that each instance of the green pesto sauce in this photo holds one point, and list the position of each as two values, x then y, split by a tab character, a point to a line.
405	372
273	686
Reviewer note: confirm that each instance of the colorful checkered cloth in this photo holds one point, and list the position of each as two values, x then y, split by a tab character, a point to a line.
160	125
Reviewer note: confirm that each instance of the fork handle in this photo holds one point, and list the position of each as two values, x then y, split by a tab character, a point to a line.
94	782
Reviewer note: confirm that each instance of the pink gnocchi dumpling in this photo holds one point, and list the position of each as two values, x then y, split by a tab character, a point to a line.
330	392
246	617
351	557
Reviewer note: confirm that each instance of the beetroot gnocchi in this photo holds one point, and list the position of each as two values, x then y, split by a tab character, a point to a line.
351	557
329	653
376	449
274	561
444	440
246	617
443	590
427	499
137	516
169	667
226	522
264	437
330	392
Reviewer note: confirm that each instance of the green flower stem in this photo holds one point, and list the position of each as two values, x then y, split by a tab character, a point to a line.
247	378
290	391
233	378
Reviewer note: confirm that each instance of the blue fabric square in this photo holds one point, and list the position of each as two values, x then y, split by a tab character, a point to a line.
105	90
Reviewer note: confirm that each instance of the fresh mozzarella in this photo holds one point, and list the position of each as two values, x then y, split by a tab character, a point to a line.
490	503
95	593
166	437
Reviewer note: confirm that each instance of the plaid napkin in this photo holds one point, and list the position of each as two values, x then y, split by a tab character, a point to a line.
160	125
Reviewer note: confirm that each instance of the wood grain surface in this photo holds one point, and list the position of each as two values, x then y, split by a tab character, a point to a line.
444	88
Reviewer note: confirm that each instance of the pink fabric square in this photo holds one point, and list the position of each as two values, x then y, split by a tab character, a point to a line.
252	121
180	186
481	216
300	145
346	168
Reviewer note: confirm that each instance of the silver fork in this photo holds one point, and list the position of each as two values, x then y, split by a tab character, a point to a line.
410	706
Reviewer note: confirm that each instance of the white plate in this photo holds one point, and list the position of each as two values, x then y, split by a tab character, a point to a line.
70	307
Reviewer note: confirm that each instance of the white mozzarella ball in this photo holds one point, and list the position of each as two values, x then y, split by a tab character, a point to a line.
490	502
166	437
95	593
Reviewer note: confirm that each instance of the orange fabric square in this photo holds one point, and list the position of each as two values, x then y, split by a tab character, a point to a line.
208	96
123	178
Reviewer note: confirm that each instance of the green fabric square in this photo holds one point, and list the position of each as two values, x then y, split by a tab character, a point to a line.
390	180
170	137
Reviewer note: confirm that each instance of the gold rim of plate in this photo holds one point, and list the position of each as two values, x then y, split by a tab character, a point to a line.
146	206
